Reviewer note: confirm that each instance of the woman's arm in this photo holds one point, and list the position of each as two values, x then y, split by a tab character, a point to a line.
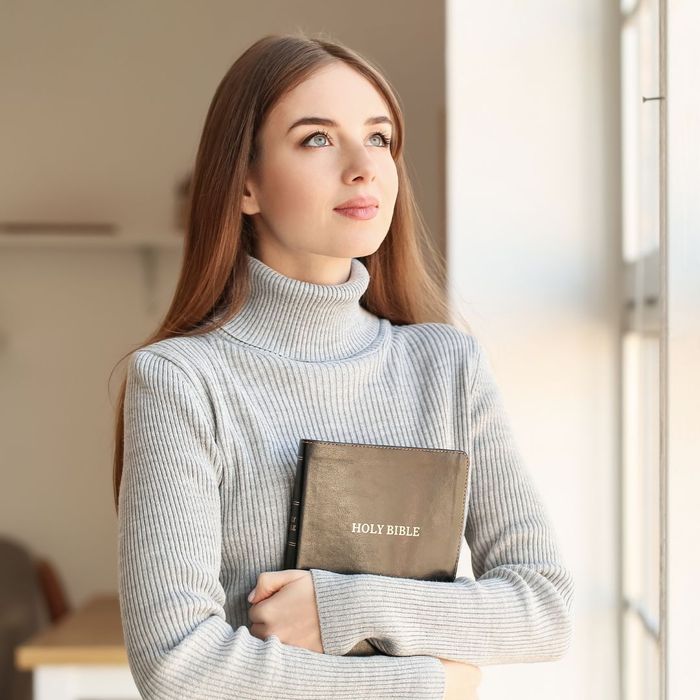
179	644
519	607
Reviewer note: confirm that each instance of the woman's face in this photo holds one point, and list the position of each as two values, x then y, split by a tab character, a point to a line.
301	176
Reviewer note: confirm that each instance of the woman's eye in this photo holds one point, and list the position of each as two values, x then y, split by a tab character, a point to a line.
316	134
385	140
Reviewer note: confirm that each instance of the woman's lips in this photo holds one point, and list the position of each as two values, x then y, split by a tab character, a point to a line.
359	212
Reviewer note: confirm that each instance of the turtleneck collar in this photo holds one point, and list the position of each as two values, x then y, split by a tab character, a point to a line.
303	320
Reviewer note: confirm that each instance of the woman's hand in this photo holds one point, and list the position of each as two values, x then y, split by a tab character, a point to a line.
284	604
461	680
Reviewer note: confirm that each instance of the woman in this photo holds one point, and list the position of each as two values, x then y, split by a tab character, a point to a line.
304	308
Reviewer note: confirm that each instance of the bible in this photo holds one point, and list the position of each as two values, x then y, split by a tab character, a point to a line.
378	509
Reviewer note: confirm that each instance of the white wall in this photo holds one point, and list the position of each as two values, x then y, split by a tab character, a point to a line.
683	435
533	245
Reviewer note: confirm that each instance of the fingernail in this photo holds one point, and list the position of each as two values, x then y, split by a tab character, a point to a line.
251	595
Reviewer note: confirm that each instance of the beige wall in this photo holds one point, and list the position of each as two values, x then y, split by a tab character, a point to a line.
102	106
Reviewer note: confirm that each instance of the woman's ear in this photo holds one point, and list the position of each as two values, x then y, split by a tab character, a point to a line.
249	202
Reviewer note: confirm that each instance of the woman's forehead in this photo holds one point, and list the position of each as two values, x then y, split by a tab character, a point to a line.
336	92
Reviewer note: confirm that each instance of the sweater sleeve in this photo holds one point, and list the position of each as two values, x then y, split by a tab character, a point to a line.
178	641
519	607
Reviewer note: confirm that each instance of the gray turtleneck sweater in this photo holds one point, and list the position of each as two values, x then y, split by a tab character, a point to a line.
212	425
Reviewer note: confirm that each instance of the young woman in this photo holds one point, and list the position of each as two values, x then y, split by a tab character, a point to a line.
305	308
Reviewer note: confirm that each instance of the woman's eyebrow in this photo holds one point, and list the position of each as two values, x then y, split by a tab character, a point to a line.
329	122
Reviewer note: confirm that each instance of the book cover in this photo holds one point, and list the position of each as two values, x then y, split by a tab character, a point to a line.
391	510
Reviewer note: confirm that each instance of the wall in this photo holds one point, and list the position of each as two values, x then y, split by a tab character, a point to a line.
103	105
681	432
533	249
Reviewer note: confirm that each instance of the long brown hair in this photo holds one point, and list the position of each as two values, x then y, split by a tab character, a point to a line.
213	280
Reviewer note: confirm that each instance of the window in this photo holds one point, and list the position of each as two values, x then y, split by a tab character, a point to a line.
640	507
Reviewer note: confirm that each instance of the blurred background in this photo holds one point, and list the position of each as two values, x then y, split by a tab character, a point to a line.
555	151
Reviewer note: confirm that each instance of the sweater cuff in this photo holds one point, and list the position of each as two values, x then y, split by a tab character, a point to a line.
341	614
431	679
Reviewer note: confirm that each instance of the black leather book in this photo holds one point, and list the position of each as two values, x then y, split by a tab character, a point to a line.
378	509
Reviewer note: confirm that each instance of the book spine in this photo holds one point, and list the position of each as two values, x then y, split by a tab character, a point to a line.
290	560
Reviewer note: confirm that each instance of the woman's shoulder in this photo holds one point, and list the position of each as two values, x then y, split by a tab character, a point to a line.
190	355
435	337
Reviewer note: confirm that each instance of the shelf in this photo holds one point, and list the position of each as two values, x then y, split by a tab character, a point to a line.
171	240
147	248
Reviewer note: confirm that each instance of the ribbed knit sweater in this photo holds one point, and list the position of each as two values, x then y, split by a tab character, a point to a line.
211	431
